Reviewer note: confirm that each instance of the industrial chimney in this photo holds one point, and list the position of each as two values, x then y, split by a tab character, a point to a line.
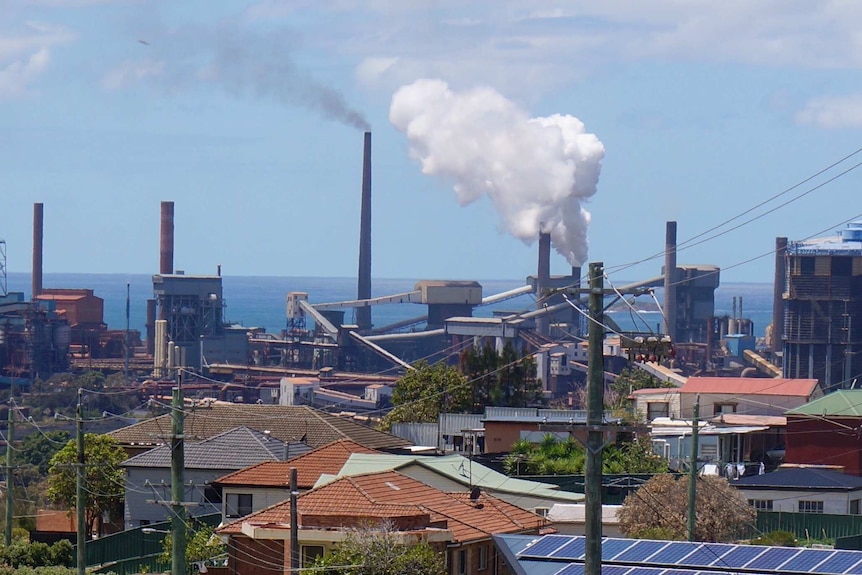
670	281
543	281
778	295
363	314
38	224
166	245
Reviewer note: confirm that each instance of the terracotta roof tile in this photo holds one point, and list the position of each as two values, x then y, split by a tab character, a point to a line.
328	459
390	494
287	423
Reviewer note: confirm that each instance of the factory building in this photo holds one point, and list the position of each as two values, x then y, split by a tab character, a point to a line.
822	294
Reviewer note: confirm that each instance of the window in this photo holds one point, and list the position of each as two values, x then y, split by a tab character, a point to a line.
309	553
811	507
657	409
541	511
483	557
761	504
854	507
724	408
462	562
238	504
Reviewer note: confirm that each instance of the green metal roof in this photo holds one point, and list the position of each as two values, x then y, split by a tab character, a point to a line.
843	403
457	468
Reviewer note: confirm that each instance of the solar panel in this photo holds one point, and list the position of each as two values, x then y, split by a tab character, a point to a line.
855	569
773	558
639	551
839	562
808	559
673	552
740	556
706	554
612	547
572	569
545	546
574	549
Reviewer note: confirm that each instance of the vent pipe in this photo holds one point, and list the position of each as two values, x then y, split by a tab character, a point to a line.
363	314
543	282
166	246
779	285
670	276
38	223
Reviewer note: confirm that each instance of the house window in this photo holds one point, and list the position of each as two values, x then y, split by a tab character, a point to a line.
238	504
462	562
724	408
309	554
657	409
541	511
483	557
761	504
854	507
811	507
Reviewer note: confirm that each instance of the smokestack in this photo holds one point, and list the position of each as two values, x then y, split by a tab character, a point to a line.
38	223
363	314
166	245
778	295
670	281
543	281
576	285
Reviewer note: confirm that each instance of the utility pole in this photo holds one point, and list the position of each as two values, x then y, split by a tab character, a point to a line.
10	502
294	523
80	500
692	481
595	414
178	519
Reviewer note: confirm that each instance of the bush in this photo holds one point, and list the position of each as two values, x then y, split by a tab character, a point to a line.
38	554
778	538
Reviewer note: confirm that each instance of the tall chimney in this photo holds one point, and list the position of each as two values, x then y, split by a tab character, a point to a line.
670	281
778	295
576	285
543	281
166	245
38	224
363	314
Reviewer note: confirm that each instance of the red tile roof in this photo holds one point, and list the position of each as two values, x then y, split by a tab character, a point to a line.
750	386
391	494
328	459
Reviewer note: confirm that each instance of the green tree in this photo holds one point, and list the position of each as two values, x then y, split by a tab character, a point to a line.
201	545
104	479
553	456
660	507
421	393
37	449
377	551
500	379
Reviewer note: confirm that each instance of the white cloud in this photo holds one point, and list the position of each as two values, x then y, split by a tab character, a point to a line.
18	75
25	55
131	72
832	113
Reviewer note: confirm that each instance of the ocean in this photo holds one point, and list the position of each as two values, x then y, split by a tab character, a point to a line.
260	301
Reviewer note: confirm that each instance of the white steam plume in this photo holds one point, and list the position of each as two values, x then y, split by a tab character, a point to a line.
537	171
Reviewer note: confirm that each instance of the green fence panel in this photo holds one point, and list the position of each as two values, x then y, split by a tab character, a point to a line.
809	525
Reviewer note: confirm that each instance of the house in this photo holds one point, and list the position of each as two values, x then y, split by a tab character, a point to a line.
504	426
148	475
284	422
723	395
459	525
826	431
571	519
803	490
455	472
254	488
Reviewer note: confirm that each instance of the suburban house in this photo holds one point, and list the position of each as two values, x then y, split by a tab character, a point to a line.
826	431
571	519
459	525
148	475
257	487
725	395
504	426
454	472
803	490
285	422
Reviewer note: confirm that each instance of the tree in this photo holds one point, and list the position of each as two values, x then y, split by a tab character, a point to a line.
104	479
37	449
201	545
421	393
659	509
377	551
500	379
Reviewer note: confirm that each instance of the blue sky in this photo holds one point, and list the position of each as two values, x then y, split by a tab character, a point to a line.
241	113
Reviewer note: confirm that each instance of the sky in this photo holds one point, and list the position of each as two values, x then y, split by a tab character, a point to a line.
595	121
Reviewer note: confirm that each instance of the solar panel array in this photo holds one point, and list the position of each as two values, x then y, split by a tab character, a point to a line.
684	557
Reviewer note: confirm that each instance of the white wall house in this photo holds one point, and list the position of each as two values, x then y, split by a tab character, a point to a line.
804	490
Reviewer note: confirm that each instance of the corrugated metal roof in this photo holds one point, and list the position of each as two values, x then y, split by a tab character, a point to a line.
751	386
844	403
801	478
